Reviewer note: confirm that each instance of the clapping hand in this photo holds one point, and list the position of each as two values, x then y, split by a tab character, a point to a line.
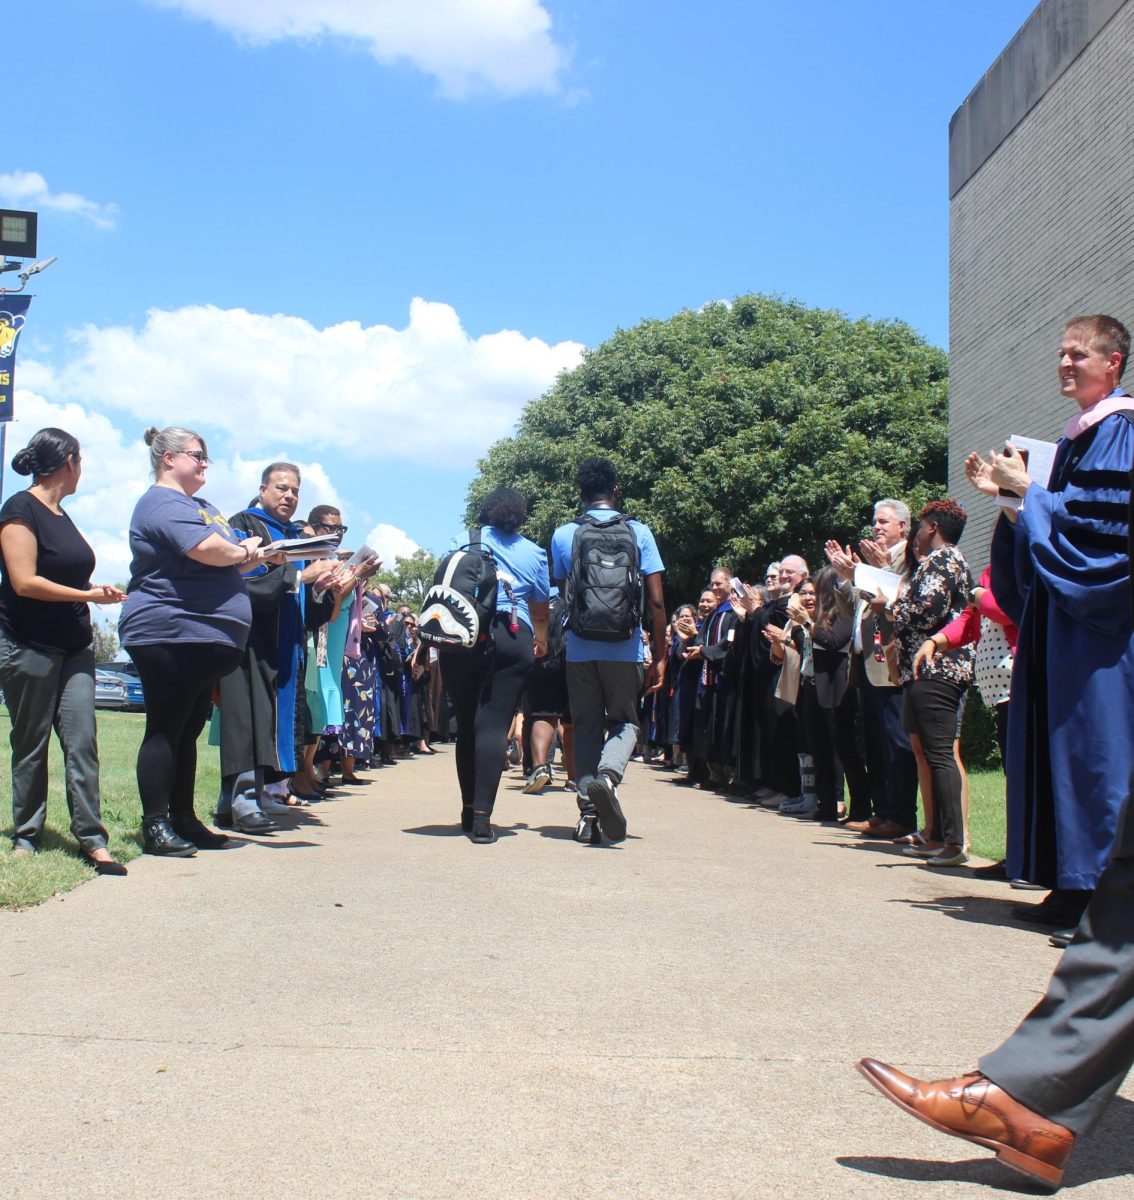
841	558
874	555
747	602
1009	470
796	611
978	472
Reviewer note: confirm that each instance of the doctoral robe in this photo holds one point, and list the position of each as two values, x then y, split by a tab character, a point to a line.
1063	572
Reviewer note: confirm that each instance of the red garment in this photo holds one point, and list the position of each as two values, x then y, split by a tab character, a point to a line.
965	629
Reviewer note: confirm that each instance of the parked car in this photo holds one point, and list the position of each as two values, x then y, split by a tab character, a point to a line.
110	690
128	673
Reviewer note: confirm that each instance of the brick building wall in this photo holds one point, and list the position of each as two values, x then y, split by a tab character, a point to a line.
1041	226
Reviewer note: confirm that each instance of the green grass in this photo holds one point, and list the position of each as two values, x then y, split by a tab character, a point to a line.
986	813
26	880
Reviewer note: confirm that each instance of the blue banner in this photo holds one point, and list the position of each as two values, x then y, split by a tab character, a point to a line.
13	315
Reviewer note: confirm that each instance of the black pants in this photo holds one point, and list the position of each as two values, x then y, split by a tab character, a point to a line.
931	713
178	682
484	688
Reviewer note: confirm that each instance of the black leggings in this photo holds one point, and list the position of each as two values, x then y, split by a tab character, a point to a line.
931	713
178	683
484	688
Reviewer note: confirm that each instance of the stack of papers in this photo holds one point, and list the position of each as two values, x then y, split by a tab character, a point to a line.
305	549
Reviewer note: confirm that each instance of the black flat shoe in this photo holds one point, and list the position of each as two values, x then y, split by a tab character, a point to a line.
199	834
482	832
103	868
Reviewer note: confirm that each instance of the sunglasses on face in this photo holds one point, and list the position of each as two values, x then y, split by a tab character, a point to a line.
199	455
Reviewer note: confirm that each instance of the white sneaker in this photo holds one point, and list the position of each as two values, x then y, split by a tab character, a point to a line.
808	806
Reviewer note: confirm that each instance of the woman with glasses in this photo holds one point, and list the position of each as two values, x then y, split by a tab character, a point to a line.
185	623
47	667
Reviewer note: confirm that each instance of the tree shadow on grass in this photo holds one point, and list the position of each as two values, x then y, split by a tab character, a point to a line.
1106	1153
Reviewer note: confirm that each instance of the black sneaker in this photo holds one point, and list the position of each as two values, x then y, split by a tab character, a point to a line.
587	830
538	780
603	794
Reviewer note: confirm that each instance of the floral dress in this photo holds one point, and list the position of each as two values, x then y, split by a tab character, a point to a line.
941	589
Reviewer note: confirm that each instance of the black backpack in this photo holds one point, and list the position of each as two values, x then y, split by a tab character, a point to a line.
459	607
604	586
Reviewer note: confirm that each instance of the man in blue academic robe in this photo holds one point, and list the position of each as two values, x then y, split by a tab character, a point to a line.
1051	1081
260	702
1060	568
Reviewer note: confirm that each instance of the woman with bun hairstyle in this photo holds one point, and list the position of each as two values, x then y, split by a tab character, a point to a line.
47	666
185	623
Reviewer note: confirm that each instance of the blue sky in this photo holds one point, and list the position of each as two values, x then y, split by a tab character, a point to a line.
360	234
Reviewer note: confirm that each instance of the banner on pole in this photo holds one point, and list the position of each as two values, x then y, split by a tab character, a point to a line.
13	316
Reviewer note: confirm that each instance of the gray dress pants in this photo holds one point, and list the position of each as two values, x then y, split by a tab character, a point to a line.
1071	1053
44	690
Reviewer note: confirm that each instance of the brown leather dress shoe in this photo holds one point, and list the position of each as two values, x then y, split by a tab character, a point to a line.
975	1109
863	826
885	829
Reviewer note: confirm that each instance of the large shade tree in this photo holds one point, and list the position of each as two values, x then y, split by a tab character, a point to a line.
740	432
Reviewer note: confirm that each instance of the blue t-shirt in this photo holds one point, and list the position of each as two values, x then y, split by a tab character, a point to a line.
523	564
586	649
171	597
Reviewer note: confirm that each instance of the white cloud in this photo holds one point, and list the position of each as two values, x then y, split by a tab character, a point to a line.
28	189
429	393
391	543
505	46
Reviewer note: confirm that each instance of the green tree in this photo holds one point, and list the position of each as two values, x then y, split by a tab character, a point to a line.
740	432
411	578
104	642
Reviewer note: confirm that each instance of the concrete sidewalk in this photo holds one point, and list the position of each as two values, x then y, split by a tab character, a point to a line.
371	1006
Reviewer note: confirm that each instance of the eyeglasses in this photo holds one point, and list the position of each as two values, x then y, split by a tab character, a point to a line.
330	528
199	455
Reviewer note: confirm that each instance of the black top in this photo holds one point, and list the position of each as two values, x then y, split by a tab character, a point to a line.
64	557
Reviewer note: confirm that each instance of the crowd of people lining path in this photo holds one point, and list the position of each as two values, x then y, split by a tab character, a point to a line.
764	688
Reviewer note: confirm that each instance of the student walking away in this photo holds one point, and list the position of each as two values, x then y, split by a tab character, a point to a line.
547	708
46	663
604	563
487	614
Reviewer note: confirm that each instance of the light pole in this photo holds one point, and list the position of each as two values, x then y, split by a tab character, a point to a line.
18	231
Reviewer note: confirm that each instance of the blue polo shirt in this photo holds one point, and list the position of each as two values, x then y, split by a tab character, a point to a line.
585	649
